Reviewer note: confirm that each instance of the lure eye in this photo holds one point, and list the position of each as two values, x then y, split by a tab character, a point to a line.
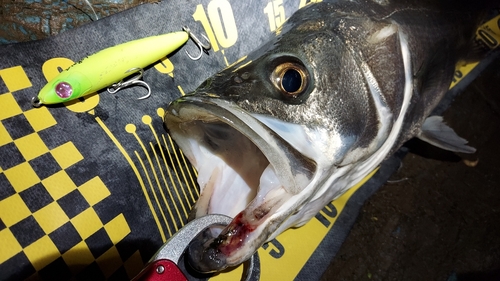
64	90
290	78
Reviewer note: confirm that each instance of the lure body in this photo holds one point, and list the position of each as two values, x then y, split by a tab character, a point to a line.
108	66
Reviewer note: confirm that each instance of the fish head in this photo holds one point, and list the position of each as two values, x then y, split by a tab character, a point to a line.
272	133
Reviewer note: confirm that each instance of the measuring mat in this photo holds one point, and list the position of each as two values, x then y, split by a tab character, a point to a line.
91	188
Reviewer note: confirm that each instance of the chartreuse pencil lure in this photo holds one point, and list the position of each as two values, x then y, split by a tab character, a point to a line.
106	67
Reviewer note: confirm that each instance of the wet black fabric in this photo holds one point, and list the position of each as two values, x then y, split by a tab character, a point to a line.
83	210
90	190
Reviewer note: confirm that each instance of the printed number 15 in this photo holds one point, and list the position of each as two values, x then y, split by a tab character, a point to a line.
275	13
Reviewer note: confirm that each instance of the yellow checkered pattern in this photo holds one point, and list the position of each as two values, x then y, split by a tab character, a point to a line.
22	176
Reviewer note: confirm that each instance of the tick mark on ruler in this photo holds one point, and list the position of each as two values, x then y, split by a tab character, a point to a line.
225	59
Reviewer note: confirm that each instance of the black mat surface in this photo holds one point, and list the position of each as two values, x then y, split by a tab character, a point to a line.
91	189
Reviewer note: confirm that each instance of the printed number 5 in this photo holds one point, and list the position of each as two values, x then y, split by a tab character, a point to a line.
219	30
276	14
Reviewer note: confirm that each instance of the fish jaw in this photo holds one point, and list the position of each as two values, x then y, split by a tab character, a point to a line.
246	171
291	187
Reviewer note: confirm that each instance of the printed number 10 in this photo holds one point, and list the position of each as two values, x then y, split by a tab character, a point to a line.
221	29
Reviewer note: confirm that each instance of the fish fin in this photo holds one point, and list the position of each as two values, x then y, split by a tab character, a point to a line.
437	133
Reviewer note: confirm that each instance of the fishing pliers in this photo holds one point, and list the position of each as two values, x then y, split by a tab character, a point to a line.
164	264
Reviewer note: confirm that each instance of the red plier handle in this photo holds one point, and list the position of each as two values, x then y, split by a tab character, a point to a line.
161	270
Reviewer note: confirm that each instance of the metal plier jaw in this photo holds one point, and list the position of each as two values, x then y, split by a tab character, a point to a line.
163	265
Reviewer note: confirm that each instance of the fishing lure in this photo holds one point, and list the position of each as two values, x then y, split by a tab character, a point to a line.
106	67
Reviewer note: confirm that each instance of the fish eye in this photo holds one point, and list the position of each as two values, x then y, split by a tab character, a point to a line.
291	81
290	78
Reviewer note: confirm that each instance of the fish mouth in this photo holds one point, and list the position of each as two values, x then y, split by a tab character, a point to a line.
246	170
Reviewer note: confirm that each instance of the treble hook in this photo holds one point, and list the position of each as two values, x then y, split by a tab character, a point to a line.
134	80
201	46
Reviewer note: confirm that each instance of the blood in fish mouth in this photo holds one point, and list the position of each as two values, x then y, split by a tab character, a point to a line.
234	236
208	253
